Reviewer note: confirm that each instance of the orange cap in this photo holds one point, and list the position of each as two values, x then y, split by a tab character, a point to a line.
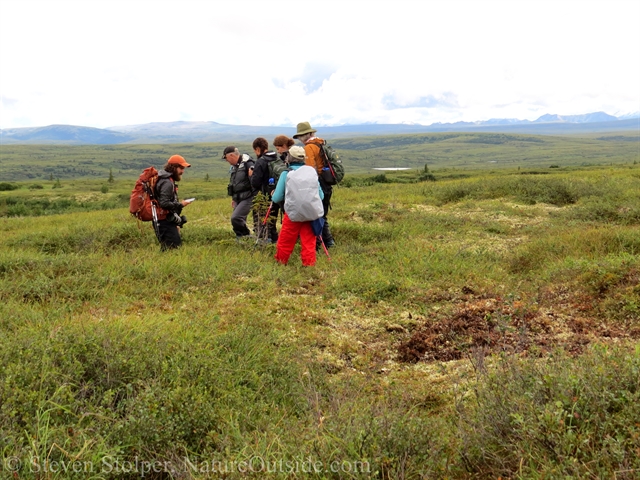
178	160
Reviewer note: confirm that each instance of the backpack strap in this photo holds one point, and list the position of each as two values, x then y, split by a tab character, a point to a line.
323	154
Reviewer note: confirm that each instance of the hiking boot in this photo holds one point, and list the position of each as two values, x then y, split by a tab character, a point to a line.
329	244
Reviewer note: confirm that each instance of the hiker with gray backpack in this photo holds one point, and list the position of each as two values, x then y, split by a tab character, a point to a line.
300	190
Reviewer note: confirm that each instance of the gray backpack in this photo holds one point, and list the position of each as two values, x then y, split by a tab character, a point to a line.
301	198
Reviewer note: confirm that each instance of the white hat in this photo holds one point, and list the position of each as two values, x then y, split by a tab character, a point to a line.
297	153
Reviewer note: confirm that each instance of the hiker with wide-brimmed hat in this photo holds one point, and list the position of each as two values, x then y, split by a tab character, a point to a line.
312	143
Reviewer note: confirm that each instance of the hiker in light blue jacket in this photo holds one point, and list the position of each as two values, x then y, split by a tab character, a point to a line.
291	230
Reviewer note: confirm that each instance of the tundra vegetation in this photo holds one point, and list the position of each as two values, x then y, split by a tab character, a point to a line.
478	321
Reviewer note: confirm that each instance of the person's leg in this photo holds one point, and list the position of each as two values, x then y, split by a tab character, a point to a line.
169	235
307	245
273	223
287	240
239	218
327	237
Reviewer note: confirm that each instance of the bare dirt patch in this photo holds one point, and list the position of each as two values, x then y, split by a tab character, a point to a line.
495	325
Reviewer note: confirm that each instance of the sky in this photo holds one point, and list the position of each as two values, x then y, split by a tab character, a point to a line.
276	63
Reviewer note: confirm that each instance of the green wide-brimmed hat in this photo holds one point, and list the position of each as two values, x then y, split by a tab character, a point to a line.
303	128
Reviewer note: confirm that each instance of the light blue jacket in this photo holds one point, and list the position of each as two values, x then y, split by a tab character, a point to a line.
278	193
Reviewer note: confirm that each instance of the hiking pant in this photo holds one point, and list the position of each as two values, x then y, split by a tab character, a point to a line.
168	235
289	234
239	217
327	237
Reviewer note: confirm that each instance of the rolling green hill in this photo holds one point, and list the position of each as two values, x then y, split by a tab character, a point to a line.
359	155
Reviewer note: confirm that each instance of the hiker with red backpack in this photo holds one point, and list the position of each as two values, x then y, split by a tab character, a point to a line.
313	151
300	190
166	192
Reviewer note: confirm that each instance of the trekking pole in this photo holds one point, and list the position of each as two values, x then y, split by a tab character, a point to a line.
266	217
265	228
324	247
154	214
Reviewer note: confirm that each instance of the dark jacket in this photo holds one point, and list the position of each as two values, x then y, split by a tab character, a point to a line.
167	193
261	174
240	183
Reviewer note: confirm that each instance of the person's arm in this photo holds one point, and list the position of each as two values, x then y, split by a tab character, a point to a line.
257	178
278	193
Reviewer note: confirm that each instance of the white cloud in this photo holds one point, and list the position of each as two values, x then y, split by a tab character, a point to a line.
105	63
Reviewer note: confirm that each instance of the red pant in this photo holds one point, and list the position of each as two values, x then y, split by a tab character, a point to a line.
289	236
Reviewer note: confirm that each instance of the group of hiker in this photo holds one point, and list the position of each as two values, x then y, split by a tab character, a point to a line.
260	187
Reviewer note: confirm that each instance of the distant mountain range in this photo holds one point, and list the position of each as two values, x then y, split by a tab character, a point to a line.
201	132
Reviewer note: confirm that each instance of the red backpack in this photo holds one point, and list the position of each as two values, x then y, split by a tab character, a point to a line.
143	201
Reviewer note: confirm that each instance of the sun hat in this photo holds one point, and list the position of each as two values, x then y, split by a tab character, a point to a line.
297	153
303	128
178	160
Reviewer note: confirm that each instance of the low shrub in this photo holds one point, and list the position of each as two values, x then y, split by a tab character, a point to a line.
34	207
525	189
563	417
606	209
133	390
5	186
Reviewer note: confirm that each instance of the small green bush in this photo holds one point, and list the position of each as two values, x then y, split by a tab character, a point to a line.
426	177
455	192
5	186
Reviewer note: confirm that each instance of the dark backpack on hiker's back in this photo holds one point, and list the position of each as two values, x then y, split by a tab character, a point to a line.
276	167
301	198
143	197
333	171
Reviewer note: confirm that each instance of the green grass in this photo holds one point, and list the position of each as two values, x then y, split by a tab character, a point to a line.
111	351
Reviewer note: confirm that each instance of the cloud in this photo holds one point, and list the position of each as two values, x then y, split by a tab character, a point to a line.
246	62
393	101
8	102
312	77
